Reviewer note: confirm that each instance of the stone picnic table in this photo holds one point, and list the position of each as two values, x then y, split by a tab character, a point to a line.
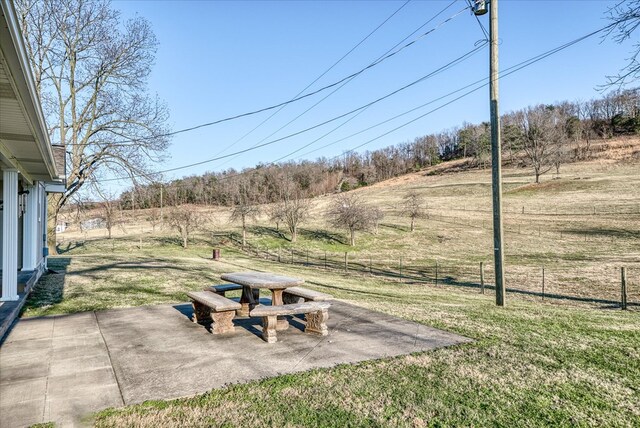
252	282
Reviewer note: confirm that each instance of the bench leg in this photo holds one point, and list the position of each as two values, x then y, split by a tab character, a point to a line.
269	329
201	313
317	322
249	299
276	299
290	298
223	322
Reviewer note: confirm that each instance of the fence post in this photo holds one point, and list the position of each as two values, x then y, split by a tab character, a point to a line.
436	273
623	284
400	266
543	283
346	262
481	277
325	259
292	256
307	257
279	259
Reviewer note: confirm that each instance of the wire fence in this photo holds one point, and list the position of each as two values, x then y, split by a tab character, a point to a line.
557	232
588	283
606	209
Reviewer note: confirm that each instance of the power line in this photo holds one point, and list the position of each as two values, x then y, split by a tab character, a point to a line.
508	71
512	69
317	78
383	122
484	30
349	80
134	141
407	86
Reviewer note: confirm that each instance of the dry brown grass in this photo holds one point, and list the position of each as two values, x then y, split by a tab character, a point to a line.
581	226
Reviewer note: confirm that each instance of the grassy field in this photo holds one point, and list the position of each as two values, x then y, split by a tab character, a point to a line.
534	363
581	228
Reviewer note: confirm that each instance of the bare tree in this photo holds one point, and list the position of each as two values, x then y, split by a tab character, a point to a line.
155	218
276	214
540	127
91	68
414	207
108	207
625	17
244	209
376	215
185	219
351	213
293	208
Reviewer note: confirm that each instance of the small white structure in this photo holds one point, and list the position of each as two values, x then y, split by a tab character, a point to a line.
61	226
93	223
27	161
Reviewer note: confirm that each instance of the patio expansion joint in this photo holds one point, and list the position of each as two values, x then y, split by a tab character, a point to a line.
115	375
46	384
321	340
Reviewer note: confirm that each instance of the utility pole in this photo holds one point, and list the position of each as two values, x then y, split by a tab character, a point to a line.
496	155
480	8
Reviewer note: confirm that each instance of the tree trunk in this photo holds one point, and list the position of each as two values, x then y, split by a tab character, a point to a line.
353	237
52	221
185	239
413	221
244	231
294	234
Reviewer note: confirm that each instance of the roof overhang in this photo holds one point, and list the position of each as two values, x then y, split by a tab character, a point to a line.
24	140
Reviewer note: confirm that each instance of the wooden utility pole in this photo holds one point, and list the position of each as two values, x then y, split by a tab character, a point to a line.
623	284
496	156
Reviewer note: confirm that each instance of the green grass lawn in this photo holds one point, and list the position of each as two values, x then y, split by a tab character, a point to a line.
533	363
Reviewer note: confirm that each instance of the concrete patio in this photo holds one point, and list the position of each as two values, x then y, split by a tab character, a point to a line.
64	368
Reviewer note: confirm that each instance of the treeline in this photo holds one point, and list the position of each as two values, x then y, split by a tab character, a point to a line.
540	137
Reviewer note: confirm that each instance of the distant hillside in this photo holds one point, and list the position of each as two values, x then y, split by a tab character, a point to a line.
543	137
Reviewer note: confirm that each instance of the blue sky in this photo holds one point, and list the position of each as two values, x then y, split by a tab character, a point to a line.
218	59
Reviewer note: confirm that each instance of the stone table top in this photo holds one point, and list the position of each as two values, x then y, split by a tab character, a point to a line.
262	280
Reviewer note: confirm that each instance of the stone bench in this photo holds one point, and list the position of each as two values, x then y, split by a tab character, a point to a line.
209	307
299	295
316	314
223	288
249	298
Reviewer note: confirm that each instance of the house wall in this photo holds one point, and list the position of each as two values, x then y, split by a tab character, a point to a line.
1	220
42	220
20	226
41	228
